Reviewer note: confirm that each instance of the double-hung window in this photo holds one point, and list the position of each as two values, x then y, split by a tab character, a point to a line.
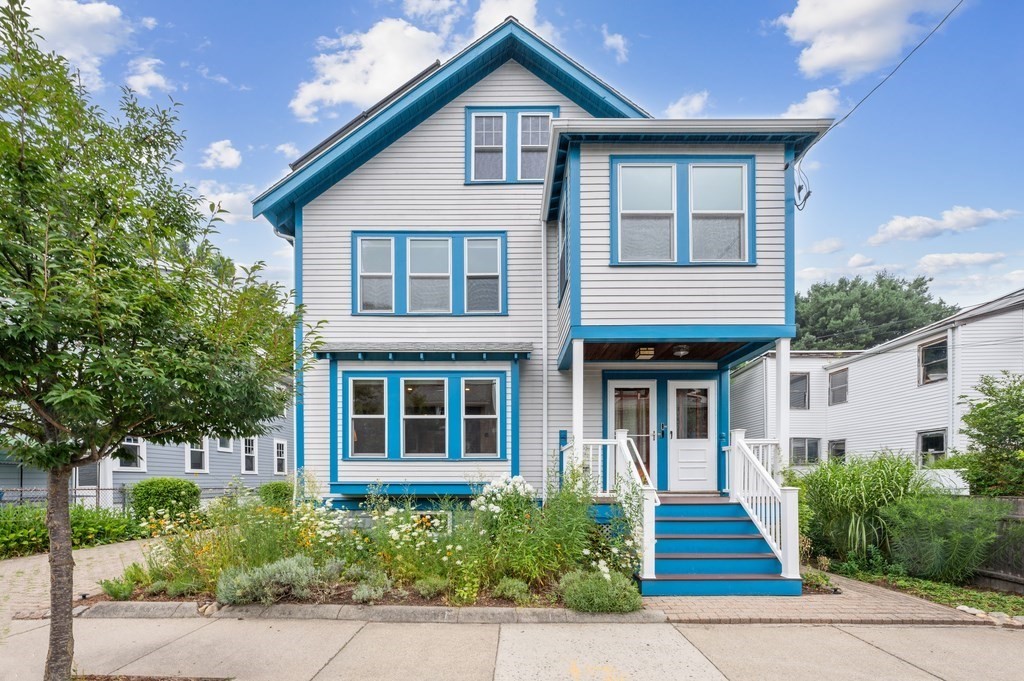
134	450
838	386
480	417
837	450
647	213
430	275
196	460
799	391
424	417
563	246
803	451
250	456
933	362
931	446
718	213
280	457
369	418
488	155
376	275
483	275
224	444
534	135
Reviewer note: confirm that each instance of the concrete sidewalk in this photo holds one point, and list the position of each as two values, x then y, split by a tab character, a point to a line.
301	650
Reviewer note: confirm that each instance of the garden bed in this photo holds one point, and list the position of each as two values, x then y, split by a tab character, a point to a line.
949	594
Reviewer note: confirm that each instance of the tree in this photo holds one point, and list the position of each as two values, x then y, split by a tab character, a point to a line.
994	465
860	313
118	317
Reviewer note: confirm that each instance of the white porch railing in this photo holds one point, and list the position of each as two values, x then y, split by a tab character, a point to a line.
609	463
772	508
767	453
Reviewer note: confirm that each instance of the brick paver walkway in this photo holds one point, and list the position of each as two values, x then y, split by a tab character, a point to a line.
25	581
859	603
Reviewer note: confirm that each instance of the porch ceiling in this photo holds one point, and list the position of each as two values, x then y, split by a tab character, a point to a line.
614	352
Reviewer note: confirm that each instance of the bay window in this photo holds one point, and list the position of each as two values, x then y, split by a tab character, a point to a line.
480	417
424	422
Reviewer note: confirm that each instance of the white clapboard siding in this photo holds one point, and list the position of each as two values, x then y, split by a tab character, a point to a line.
748	406
811	422
698	295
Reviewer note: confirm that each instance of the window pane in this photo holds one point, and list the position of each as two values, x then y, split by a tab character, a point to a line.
487	131
483	294
132	448
532	164
375	293
425	436
645	188
224	443
424	398
645	238
480	398
368	397
481	436
933	442
812	451
798	450
428	256
429	295
837	450
798	391
934	353
375	256
88	475
692	413
488	164
482	256
536	131
717	189
196	459
717	238
368	436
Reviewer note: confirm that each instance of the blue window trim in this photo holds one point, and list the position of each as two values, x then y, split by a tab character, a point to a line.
340	390
511	140
682	165
400	240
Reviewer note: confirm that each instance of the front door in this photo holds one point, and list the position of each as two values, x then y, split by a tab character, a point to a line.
633	409
693	436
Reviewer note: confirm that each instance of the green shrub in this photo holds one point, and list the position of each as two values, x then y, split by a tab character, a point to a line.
512	589
942	537
23	528
170	494
120	589
368	593
846	501
277	493
959	461
431	587
183	585
996	429
594	591
295	576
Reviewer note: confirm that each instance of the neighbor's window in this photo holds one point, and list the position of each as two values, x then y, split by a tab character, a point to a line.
224	444
250	459
647	213
488	147
132	446
837	450
280	457
931	446
803	451
933	360
376	275
799	391
534	134
718	212
483	275
369	417
424	424
480	417
195	457
430	275
838	386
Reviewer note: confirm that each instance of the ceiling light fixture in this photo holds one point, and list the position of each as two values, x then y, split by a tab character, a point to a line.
644	353
681	350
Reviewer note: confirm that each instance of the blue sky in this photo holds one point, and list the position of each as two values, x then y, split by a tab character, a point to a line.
924	178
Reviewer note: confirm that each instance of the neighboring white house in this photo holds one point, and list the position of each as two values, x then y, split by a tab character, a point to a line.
906	395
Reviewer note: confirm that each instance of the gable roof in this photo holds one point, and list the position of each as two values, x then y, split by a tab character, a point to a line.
373	130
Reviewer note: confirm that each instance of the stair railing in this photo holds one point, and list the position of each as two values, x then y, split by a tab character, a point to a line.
767	452
772	508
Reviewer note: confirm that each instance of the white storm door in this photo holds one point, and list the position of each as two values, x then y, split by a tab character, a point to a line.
693	436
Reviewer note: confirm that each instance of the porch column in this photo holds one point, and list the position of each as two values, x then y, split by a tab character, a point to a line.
782	404
577	399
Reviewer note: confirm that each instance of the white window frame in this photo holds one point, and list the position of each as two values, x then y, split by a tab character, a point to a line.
284	444
745	222
352	418
402	415
255	456
141	468
473	144
671	212
562	266
921	434
807	393
532	147
360	274
831	401
229	448
478	275
205	442
828	447
409	276
498	400
806	441
920	361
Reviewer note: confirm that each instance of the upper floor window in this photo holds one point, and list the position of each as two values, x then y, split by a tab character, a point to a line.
838	386
682	210
429	273
488	147
507	144
933	362
224	444
799	391
534	135
196	459
250	455
134	451
280	457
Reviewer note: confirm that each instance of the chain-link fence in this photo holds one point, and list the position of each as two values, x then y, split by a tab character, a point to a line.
93	497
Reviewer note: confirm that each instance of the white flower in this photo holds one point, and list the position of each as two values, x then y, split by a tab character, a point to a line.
586	552
459	547
458	562
615	550
444	559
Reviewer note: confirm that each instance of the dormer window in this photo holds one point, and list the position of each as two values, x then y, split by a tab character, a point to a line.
507	145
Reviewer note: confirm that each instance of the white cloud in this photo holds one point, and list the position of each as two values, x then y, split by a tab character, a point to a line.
810	166
233	198
221	154
826	246
821	103
143	76
617	43
219	79
689	105
853	39
859	261
439	14
935	263
956	219
493	12
149	23
85	33
288	149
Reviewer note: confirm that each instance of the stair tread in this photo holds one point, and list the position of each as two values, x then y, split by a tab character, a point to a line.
735	535
714	556
707	519
720	577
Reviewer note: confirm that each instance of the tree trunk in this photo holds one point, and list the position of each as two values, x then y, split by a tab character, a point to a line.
58	522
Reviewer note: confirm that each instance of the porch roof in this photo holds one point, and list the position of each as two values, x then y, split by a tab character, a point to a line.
616	352
433	352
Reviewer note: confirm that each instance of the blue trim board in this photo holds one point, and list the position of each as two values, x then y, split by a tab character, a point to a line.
333	402
300	412
510	41
416	489
790	237
413	356
748	352
575	238
515	417
682	165
511	140
400	271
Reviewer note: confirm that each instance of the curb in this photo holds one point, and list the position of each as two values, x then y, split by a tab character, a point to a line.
937	621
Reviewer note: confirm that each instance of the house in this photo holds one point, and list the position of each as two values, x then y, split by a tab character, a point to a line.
906	395
520	269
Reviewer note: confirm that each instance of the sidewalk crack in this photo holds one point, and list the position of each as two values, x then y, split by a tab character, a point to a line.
889	653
